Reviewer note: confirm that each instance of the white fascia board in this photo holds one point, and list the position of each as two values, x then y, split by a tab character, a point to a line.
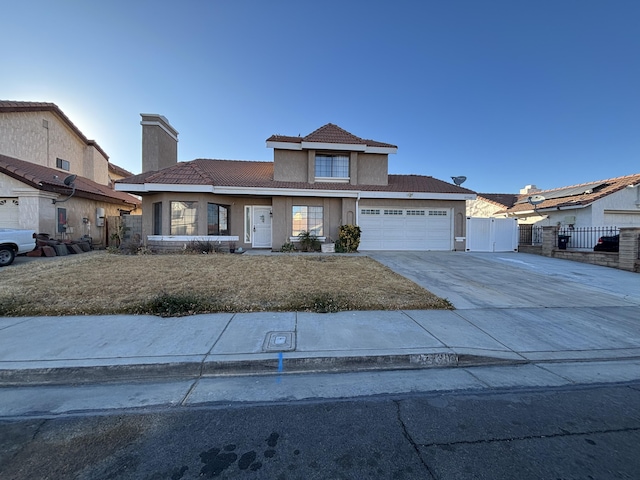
380	150
333	146
419	195
129	187
284	145
284	192
566	207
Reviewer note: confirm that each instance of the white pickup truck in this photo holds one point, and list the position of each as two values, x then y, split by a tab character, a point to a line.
14	242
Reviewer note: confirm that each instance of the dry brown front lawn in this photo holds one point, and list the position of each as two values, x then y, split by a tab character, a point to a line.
102	283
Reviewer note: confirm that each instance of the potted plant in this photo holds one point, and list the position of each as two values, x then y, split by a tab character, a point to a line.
328	246
232	247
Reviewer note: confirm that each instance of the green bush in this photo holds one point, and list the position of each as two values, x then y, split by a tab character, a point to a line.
348	239
308	242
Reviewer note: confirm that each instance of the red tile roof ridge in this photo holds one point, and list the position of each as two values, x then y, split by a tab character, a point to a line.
330	133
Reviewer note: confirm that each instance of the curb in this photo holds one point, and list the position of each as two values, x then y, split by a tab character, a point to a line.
194	370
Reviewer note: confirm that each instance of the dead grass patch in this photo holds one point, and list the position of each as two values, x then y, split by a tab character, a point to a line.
171	285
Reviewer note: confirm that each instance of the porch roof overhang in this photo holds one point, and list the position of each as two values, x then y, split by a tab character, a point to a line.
141	188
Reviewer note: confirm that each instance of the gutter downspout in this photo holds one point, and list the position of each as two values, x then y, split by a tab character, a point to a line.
358	209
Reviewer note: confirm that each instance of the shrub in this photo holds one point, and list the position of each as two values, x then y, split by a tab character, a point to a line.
308	242
348	239
287	247
201	246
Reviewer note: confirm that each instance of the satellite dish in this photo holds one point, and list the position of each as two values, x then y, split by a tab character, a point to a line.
536	199
69	180
459	180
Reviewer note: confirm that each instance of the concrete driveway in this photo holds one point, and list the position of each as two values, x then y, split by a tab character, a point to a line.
514	280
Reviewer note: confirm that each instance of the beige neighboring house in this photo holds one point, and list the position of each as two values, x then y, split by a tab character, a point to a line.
315	183
611	202
40	148
490	205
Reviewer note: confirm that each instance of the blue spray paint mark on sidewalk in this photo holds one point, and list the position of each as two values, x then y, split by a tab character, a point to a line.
280	367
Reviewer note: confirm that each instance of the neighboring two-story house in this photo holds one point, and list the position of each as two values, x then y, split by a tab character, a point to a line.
40	148
315	183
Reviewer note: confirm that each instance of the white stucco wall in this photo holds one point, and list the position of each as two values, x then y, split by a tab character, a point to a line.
480	208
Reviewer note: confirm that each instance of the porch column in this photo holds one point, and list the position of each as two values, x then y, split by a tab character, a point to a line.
549	235
629	249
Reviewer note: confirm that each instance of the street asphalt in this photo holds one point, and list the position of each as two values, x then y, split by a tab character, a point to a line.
511	309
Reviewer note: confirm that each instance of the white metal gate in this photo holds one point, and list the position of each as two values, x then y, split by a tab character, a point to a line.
492	234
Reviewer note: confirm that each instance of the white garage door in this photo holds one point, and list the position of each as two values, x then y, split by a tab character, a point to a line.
385	228
9	208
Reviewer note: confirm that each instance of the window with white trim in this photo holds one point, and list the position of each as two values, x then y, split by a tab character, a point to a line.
307	219
332	166
184	218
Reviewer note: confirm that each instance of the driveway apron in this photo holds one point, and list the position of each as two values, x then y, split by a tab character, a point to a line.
514	280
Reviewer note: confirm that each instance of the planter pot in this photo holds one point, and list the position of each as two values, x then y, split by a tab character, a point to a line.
328	247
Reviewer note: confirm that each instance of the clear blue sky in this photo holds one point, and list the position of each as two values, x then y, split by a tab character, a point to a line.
506	92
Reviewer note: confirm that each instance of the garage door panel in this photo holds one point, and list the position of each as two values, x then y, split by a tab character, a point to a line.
385	228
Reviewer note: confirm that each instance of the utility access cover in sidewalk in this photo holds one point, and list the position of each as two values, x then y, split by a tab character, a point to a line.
279	342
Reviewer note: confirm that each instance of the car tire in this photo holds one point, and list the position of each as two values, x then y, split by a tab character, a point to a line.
7	255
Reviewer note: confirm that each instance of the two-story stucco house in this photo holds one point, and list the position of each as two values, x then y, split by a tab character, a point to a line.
40	148
315	183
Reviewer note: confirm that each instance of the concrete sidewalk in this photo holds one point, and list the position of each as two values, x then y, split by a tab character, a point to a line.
49	350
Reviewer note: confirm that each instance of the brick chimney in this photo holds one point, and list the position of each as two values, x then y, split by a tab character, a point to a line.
159	143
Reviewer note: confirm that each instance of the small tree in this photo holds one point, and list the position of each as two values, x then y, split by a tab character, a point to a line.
348	238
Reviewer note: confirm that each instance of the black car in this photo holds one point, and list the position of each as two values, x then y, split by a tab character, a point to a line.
608	244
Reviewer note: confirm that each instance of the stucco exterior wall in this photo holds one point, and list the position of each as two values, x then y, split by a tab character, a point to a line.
372	169
23	136
38	212
159	148
290	165
480	208
236	212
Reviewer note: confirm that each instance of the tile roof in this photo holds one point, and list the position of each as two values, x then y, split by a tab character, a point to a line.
18	106
44	178
575	195
502	199
119	170
238	173
330	133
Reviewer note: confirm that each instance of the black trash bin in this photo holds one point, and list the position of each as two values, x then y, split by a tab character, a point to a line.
562	241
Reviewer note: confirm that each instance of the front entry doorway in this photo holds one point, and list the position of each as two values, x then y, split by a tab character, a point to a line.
261	237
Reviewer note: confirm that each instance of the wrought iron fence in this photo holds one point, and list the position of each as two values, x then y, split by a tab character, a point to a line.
584	237
529	235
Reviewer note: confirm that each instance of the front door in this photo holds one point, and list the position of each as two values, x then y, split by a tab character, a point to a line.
261	237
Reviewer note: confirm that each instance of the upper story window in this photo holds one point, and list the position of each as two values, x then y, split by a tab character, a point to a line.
63	164
333	167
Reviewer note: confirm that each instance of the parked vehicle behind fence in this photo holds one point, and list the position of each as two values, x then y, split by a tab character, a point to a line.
608	244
